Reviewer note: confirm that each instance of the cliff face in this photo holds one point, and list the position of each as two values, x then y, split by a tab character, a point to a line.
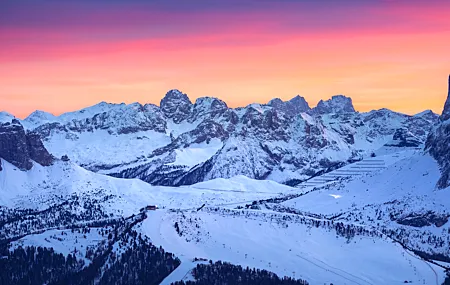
21	148
446	112
438	144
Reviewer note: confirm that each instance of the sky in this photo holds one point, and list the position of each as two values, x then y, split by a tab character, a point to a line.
63	55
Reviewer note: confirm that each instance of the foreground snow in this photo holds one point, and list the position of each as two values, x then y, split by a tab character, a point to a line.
290	249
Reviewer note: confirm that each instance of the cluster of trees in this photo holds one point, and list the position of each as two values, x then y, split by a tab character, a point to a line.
122	257
447	279
132	259
19	222
225	273
139	263
36	265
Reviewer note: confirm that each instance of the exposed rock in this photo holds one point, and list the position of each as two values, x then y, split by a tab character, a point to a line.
292	107
438	144
176	105
207	108
338	104
20	148
13	145
37	151
404	138
419	220
446	112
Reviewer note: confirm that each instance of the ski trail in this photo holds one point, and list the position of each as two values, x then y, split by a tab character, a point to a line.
331	271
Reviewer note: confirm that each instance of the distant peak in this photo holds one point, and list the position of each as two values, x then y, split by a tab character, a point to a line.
275	101
337	104
176	105
39	115
293	107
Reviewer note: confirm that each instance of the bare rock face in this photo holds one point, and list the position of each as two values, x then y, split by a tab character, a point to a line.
37	151
446	112
438	144
292	107
20	148
338	104
176	105
404	138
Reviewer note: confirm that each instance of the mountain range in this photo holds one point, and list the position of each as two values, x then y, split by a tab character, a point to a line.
182	143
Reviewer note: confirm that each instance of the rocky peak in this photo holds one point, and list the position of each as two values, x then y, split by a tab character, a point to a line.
446	112
338	104
292	107
209	107
428	115
176	105
20	148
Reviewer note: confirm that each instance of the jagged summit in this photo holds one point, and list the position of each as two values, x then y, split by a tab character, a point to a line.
446	112
338	104
176	105
292	107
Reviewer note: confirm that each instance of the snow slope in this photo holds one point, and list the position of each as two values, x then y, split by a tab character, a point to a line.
242	183
40	186
288	249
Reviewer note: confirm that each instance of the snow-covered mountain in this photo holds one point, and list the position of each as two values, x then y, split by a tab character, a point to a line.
181	143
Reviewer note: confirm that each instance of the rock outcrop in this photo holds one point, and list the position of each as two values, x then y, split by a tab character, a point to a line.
404	138
338	104
292	107
446	112
176	105
21	148
438	144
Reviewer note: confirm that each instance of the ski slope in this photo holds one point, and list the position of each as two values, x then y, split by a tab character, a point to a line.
288	249
363	167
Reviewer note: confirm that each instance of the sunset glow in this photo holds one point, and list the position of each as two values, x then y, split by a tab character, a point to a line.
60	56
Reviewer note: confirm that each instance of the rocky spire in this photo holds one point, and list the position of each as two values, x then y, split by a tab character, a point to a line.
446	113
176	105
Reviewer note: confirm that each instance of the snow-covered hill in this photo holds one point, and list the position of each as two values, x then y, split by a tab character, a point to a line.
182	143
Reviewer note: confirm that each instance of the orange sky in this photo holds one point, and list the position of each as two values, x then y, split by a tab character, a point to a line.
398	59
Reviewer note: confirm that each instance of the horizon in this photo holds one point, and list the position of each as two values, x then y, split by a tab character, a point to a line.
64	56
193	101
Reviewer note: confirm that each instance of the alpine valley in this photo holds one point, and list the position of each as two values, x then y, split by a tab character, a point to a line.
201	193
